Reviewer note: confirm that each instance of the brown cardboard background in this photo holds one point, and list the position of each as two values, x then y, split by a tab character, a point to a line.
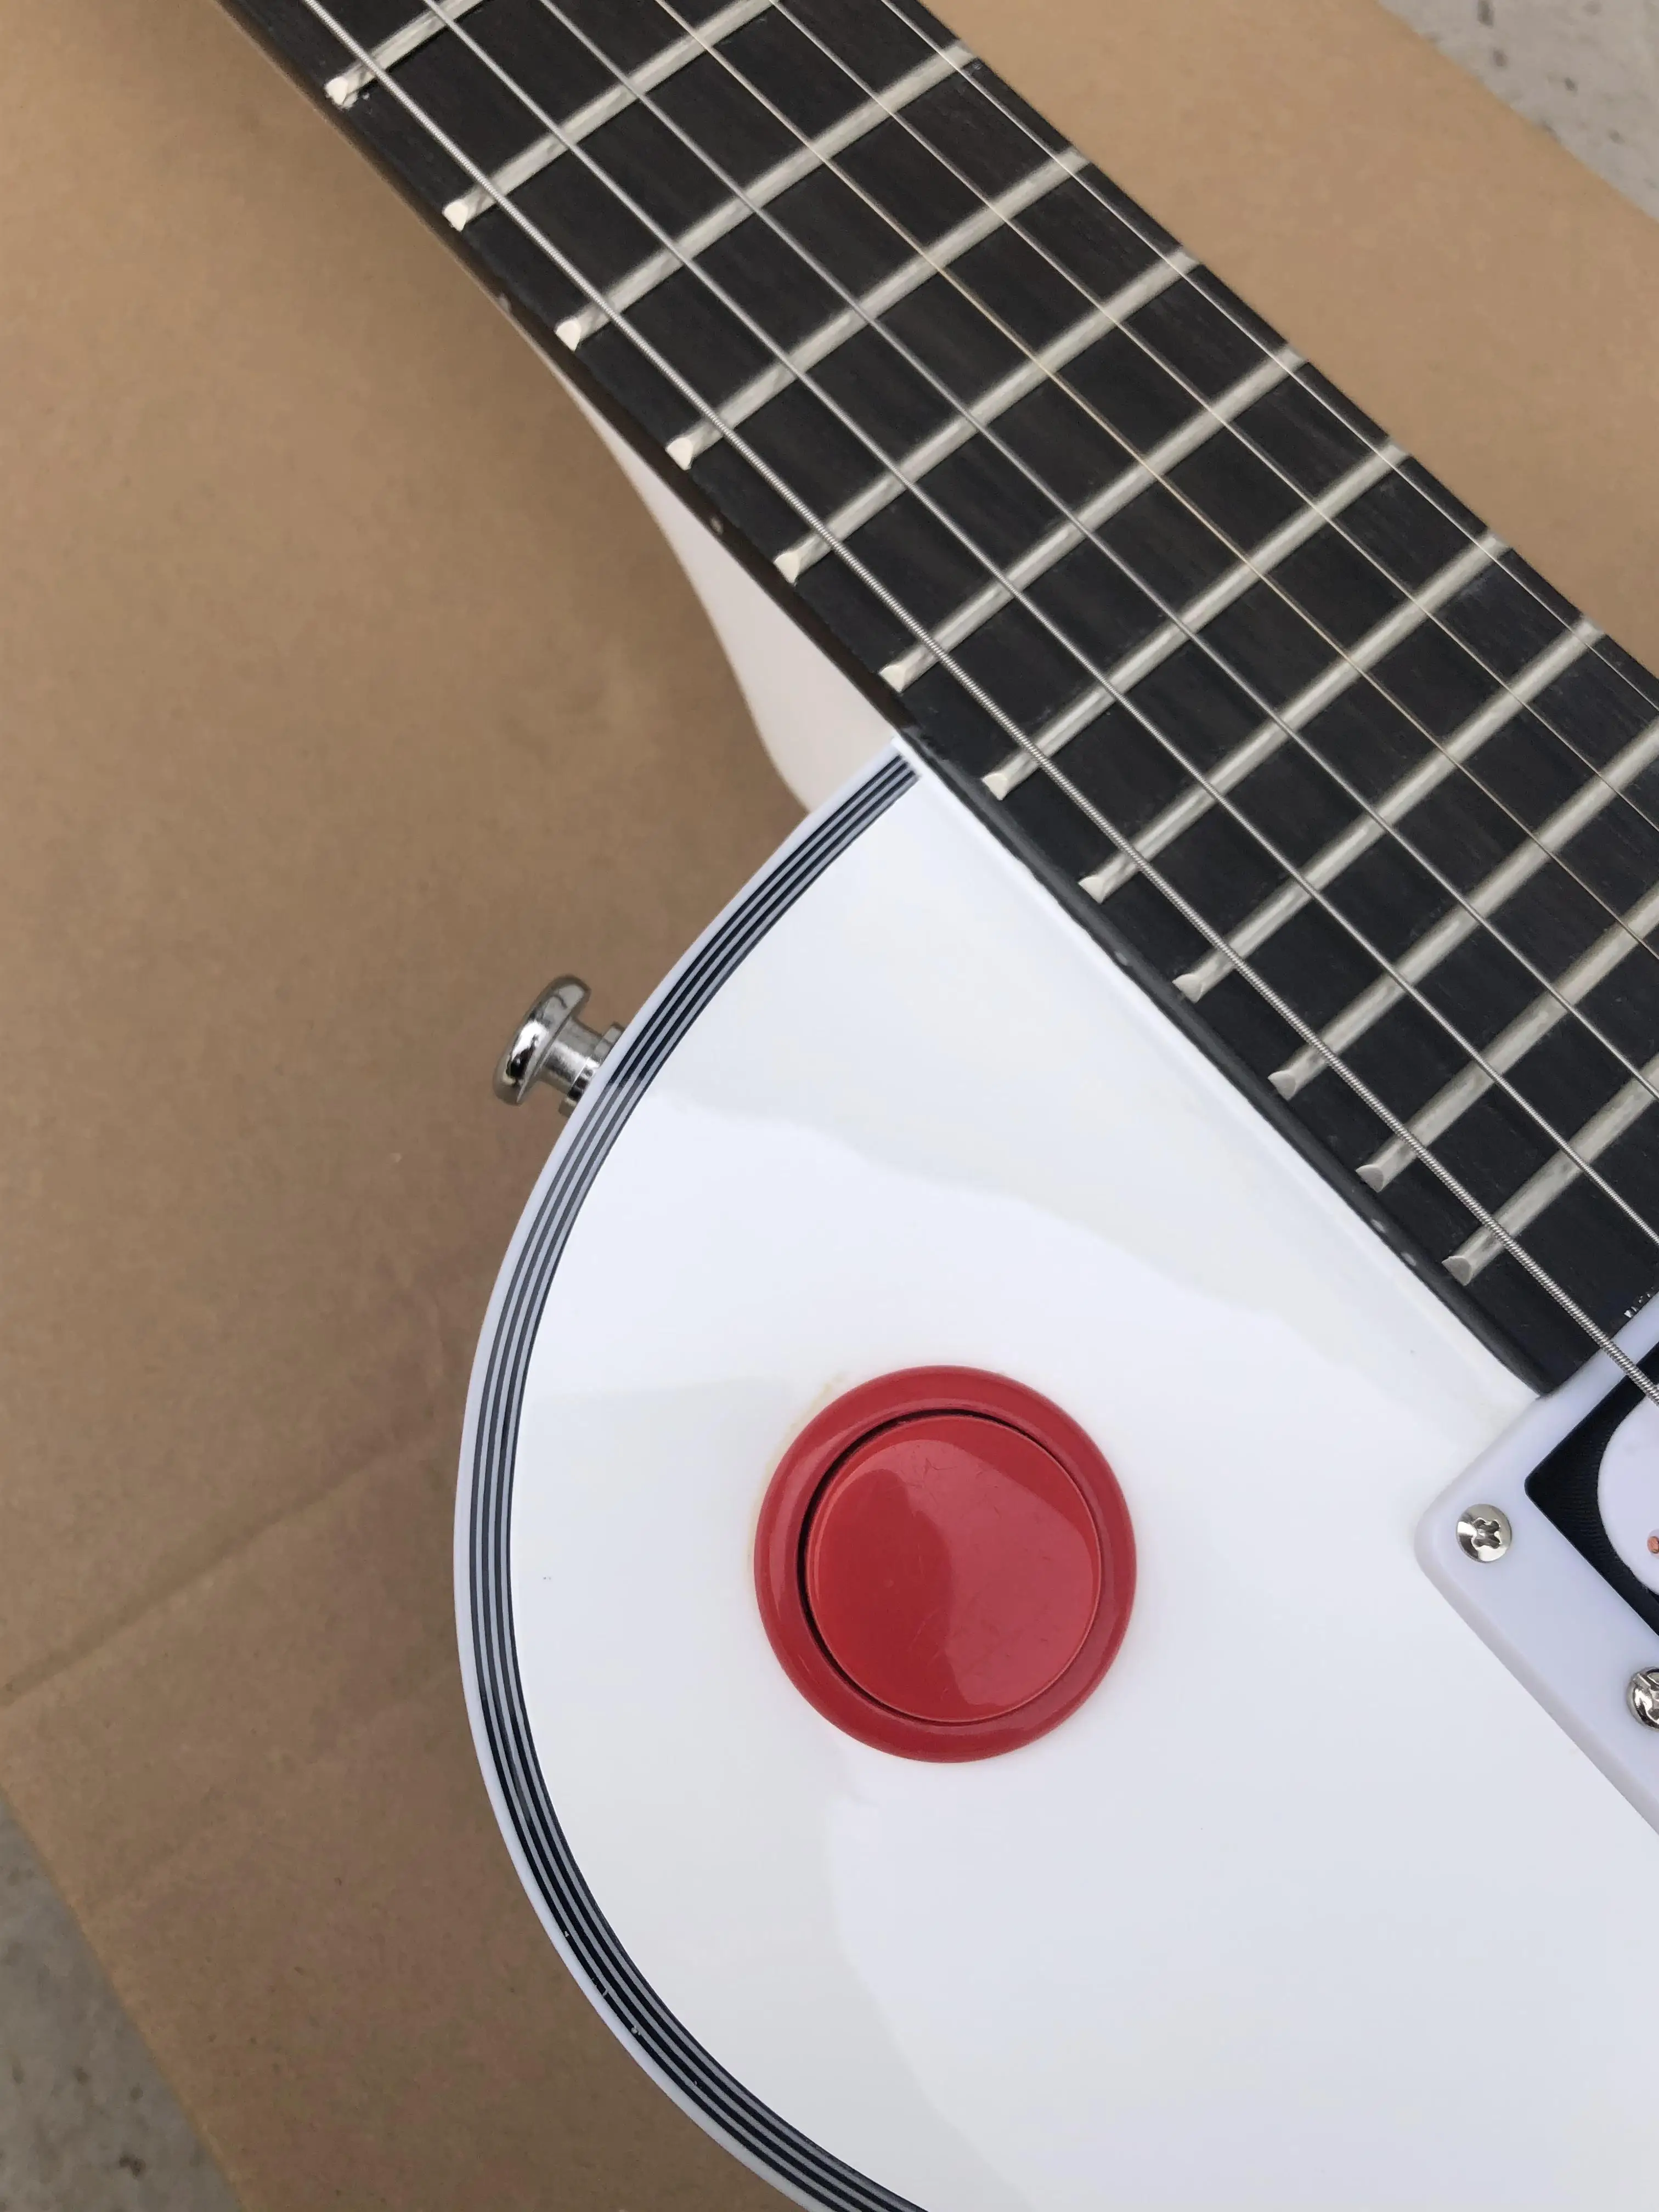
347	694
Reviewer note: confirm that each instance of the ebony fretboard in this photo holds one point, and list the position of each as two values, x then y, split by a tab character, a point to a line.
1369	807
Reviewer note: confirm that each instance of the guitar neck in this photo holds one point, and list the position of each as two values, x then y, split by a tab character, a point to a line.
1369	809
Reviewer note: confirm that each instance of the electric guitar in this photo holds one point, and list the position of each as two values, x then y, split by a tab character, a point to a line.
1057	1550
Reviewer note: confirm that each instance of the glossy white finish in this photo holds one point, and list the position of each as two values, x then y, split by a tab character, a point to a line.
818	727
1312	1904
1628	1493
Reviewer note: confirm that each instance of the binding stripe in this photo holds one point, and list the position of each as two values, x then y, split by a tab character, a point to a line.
505	1747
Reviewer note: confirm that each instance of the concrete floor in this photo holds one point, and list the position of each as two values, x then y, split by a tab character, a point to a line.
1586	71
85	2122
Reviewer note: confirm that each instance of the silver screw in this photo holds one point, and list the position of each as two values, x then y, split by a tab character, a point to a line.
1642	1696
1484	1532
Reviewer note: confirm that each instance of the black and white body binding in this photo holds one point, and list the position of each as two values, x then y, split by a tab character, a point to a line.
1296	765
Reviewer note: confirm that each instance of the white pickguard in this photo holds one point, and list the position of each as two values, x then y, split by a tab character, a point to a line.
1312	1904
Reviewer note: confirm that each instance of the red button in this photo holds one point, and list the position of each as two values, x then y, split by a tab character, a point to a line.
953	1568
943	1563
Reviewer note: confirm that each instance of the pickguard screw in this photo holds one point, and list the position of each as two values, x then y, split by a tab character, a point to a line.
1642	1696
1485	1533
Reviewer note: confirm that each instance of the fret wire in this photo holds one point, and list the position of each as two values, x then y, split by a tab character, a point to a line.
1438	943
1523	1259
630	85
1388	968
741	204
1100	197
1188	623
863	311
1499	685
1360	837
542	153
1100	507
1524	1105
1364	1012
1529	1027
1556	1176
1340	654
1214	790
398	46
1302	708
1602	1338
689	446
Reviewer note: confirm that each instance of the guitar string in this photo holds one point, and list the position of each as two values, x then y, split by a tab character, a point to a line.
1623	938
1499	685
1565	1143
1088	184
1521	702
955	58
521	169
1563	1140
1621	935
1571	1141
1490	920
1570	1145
1528	1265
704	37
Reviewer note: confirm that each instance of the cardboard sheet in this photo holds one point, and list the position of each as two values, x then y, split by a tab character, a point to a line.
347	696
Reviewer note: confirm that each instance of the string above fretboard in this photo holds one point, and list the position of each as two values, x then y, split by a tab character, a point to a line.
1373	810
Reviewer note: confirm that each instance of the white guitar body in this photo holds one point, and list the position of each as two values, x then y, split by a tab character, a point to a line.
1312	1903
818	728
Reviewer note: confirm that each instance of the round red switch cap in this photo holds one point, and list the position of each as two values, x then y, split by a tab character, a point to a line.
952	1567
945	1564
